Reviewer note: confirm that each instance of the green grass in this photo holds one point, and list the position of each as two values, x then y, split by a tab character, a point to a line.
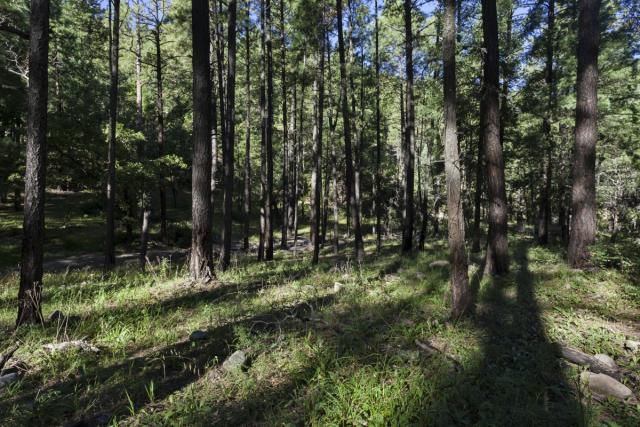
333	344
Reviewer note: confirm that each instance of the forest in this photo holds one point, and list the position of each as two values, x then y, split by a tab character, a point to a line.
320	212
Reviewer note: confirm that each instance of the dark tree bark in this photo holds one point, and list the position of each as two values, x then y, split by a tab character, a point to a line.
544	215
477	196
225	257
201	262
114	46
292	160
408	210
316	172
247	144
30	293
346	125
459	278
157	32
333	122
497	261
285	136
268	202
376	183
263	132
583	193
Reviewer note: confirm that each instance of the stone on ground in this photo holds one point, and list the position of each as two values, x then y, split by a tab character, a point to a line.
441	263
235	362
8	379
198	336
632	345
607	361
604	385
67	345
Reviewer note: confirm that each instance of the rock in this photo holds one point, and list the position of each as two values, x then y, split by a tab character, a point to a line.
442	263
337	286
632	345
8	379
235	362
77	344
420	275
198	336
576	356
605	386
607	361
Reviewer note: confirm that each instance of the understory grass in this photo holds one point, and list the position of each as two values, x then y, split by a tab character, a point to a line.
333	344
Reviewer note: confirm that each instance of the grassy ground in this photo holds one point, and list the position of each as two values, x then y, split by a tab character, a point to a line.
334	344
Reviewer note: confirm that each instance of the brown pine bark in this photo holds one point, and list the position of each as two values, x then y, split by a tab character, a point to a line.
157	31
230	135
583	193
114	45
201	262
285	136
376	182
408	209
316	172
268	202
30	293
460	294
247	145
263	134
346	125
497	261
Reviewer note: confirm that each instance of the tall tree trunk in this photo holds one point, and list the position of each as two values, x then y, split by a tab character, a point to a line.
460	294
268	204
316	173
544	215
583	193
247	144
346	120
377	181
408	210
285	136
160	124
201	262
333	122
497	251
263	132
30	293
114	45
477	196
292	160
225	257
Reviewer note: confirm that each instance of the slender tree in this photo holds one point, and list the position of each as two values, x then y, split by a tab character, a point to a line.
285	136
316	172
114	46
247	136
268	202
346	125
408	210
230	135
201	262
377	181
263	133
459	277
583	192
30	293
497	260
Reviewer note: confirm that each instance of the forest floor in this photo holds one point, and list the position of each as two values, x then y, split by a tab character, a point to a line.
333	344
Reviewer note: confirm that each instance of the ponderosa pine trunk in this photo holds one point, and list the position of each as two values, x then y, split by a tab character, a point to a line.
201	262
477	196
583	193
247	137
544	214
408	210
160	121
114	41
346	125
230	135
377	181
30	293
497	260
316	172
285	136
268	202
459	278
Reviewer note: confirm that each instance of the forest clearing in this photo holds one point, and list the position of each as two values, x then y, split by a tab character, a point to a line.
326	213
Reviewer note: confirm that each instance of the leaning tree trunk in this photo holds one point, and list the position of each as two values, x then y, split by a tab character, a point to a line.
316	173
497	261
346	125
459	279
225	257
583	193
30	293
114	41
408	210
247	144
201	263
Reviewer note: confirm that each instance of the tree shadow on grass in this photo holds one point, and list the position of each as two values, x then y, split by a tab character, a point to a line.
518	379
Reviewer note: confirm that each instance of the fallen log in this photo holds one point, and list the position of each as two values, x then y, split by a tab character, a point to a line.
579	358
